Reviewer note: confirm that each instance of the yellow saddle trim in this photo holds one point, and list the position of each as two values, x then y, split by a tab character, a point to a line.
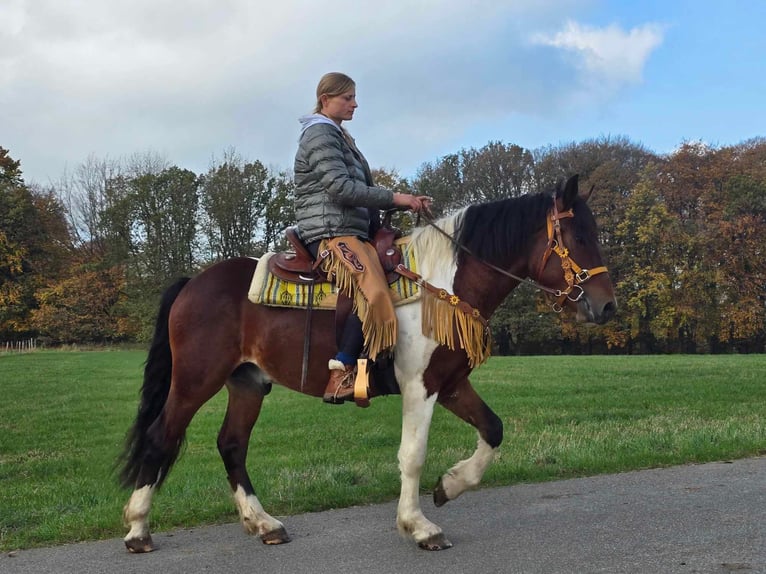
267	289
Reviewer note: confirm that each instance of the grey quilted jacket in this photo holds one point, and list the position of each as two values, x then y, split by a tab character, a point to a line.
334	191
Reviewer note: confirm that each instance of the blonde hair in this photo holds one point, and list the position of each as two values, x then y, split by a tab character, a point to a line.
332	84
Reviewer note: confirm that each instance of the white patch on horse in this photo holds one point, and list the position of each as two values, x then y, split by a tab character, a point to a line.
437	264
255	519
467	473
435	253
417	411
136	512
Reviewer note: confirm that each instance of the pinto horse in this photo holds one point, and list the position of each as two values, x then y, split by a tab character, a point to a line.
209	335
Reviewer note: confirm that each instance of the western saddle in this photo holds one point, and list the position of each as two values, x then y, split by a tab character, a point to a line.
298	266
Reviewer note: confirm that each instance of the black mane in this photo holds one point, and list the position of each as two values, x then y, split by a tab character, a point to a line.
493	231
498	230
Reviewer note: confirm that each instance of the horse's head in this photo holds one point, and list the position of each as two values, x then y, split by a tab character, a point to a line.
568	259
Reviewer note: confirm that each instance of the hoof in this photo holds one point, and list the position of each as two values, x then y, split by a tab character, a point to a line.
140	545
278	536
440	495
435	542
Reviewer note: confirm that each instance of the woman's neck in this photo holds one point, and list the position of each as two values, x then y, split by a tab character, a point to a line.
337	121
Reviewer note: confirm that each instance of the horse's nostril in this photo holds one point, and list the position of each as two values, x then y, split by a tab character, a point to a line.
609	310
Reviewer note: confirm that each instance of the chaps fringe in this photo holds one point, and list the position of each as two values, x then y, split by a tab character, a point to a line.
371	302
442	321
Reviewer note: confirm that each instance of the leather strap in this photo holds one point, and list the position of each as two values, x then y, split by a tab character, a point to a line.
443	294
307	337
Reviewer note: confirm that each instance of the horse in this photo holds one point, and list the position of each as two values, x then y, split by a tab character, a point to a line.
209	335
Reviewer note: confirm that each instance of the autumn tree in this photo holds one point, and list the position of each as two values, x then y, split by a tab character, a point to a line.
611	165
12	252
86	306
648	271
165	219
737	217
390	179
233	198
12	307
495	171
34	241
280	211
687	182
86	194
86	258
442	180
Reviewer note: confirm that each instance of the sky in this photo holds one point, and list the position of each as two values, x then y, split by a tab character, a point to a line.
190	80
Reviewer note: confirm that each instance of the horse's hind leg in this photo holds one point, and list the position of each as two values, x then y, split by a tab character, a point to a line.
247	387
135	516
466	474
163	442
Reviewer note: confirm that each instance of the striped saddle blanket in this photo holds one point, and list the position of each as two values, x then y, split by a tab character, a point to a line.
268	289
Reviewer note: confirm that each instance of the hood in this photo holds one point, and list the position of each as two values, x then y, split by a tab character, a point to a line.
314	119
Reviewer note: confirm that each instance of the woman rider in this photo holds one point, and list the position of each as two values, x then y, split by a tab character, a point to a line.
337	210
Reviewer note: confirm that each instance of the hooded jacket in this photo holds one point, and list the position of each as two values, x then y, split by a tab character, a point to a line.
334	191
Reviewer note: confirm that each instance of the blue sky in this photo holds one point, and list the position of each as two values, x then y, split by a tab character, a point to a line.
705	80
189	80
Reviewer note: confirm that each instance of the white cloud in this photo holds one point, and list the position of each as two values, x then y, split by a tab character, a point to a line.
610	54
190	79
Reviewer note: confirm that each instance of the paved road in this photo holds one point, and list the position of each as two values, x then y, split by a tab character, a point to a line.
688	519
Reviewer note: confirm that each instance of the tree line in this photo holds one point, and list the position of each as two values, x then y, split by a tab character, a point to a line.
84	259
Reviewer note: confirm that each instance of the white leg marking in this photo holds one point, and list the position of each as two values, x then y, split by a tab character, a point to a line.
417	411
254	518
467	473
437	264
136	512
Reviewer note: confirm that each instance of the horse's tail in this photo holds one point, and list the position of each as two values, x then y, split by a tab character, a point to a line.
154	393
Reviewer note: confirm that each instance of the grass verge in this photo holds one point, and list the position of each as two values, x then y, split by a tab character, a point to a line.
64	415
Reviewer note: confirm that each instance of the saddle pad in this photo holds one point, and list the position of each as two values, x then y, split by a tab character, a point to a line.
267	289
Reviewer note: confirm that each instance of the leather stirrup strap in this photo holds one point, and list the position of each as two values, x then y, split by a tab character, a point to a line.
307	337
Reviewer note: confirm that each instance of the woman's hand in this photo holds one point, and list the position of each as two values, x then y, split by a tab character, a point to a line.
416	203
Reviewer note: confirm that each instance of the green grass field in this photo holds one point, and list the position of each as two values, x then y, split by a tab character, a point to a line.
63	417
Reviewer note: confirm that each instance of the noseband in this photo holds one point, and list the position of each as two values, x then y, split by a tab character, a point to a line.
574	275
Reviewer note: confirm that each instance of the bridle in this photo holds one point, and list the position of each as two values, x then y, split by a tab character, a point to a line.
574	275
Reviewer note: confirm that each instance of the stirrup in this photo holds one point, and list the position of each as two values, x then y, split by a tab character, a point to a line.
362	384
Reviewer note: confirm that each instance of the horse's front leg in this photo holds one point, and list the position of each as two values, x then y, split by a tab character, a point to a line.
417	410
466	474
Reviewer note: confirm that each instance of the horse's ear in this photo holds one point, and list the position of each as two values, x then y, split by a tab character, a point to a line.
585	195
569	192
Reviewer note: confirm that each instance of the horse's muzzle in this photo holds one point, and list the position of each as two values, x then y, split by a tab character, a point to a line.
596	312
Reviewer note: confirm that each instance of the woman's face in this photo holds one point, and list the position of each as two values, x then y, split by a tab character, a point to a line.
340	108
